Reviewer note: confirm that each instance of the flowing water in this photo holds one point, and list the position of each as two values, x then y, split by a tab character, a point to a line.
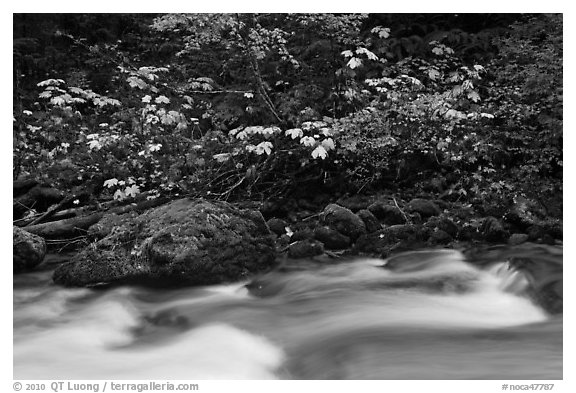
423	315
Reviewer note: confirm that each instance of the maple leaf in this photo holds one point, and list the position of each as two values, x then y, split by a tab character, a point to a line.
433	74
162	100
308	141
132	191
136	82
45	94
119	195
294	133
264	147
319	152
347	53
354	63
474	96
111	182
328	144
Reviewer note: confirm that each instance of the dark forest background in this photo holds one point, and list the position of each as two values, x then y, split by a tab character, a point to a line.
270	107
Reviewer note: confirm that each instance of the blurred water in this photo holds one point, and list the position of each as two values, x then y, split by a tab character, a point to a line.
422	315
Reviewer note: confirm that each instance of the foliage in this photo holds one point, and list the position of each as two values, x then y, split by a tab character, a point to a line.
257	105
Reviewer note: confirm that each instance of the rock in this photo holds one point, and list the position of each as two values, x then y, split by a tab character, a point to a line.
107	224
343	220
370	220
545	230
306	204
271	209
305	249
445	224
517	238
547	239
22	186
331	238
277	225
355	202
469	233
388	214
439	237
189	242
283	241
28	250
424	207
493	230
396	237
302	233
543	264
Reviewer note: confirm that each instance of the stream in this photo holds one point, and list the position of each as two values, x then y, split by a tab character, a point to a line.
425	315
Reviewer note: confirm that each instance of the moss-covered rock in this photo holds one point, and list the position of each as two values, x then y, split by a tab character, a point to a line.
28	250
343	220
388	214
305	249
194	242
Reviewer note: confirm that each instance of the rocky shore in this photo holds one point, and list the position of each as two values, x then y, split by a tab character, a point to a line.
200	242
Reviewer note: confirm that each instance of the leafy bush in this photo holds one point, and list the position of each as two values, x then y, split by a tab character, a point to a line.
255	105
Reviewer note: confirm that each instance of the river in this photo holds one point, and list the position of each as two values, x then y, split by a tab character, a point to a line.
426	315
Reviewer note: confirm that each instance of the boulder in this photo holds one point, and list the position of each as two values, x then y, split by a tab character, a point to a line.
543	264
388	214
393	238
188	242
517	238
28	250
493	230
370	220
305	249
551	229
302	233
424	207
445	224
277	225
331	238
107	224
355	202
343	220
439	237
469	233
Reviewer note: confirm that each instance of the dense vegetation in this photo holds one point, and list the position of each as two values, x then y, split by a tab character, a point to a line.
268	106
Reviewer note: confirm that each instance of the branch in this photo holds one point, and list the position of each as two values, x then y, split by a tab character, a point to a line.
402	211
256	73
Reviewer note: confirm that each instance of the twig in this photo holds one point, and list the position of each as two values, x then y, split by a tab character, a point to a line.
402	211
50	212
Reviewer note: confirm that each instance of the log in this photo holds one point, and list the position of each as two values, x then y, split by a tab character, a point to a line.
51	211
38	197
73	212
68	227
78	226
21	187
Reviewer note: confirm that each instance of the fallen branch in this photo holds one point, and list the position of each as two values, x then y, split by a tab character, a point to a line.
78	226
74	226
51	211
402	211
